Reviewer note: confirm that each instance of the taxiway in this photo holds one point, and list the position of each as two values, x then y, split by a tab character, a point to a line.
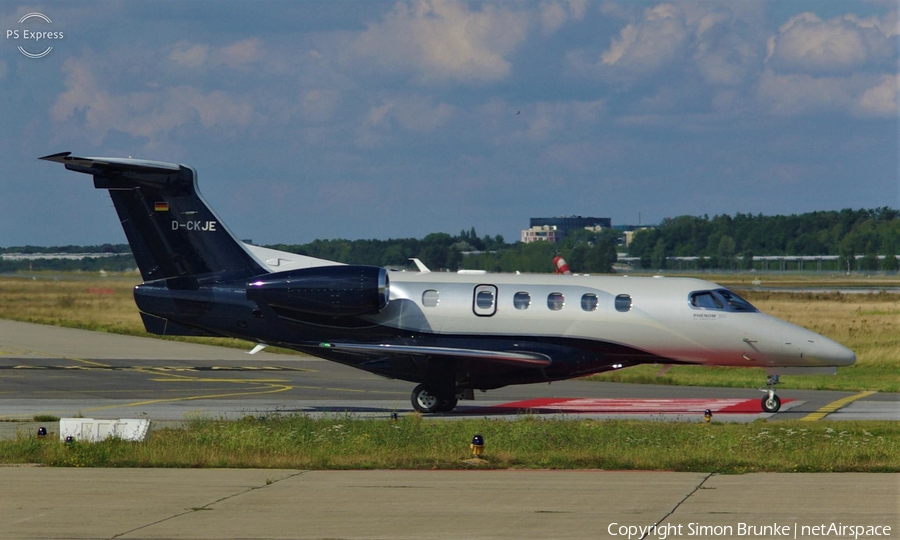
47	370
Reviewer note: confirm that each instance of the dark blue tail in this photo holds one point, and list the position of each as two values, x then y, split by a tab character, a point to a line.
172	231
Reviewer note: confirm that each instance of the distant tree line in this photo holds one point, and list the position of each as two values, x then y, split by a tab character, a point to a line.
124	249
731	242
722	241
115	263
585	251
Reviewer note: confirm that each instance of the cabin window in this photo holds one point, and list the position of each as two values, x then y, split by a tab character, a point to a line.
484	302
623	303
484	299
556	301
589	302
430	298
521	300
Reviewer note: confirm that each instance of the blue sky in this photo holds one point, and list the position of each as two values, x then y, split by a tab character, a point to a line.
392	119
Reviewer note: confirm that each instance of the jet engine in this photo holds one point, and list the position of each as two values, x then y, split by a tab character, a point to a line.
326	290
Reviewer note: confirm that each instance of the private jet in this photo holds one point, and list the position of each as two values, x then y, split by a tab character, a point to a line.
450	333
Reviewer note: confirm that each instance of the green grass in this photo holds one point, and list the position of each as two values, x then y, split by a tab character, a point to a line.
302	442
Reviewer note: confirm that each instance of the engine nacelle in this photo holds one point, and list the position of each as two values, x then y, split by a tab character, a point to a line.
325	290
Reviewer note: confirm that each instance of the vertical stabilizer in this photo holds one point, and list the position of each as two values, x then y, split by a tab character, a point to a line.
173	233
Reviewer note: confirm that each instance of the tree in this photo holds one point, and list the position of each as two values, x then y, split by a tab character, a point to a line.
890	262
726	252
869	262
658	255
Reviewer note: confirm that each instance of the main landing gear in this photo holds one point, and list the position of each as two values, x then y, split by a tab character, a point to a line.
771	403
428	399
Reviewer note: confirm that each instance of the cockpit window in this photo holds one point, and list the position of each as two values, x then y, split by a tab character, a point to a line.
719	299
705	300
735	302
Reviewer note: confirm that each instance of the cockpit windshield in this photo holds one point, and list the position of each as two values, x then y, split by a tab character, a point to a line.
719	300
735	302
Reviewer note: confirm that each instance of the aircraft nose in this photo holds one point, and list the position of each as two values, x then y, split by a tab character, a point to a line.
829	353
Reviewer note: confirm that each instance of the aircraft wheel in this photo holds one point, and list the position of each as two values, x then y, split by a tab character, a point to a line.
448	405
771	404
425	400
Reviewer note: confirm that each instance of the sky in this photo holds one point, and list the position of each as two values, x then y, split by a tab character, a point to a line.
368	119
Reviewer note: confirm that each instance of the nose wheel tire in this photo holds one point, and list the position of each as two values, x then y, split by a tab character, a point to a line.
426	399
771	404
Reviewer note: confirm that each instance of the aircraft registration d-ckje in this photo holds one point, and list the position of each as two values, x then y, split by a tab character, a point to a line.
451	333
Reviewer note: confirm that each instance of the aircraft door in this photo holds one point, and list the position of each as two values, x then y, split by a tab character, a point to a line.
484	300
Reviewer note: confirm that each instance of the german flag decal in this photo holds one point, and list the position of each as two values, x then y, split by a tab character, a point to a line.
161	206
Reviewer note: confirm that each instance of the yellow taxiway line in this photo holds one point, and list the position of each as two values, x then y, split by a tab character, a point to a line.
834	406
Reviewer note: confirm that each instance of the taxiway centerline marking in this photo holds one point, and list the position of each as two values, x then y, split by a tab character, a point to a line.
834	406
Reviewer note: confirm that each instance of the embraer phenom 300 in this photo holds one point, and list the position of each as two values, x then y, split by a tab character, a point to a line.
450	333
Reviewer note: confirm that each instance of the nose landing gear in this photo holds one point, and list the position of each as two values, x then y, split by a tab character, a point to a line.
771	403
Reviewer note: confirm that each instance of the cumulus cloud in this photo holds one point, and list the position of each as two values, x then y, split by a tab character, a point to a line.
234	55
842	45
845	64
149	114
191	55
716	46
445	40
800	94
654	42
882	100
413	113
554	14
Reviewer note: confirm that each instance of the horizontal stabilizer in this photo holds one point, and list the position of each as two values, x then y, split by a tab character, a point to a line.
91	165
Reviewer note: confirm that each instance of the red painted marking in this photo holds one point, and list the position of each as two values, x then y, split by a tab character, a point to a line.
635	406
97	290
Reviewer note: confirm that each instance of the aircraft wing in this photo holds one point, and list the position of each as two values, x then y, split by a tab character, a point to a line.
524	359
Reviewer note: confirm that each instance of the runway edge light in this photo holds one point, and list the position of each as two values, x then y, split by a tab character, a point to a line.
477	445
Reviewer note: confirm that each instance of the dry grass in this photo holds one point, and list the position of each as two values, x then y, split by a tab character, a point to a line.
76	301
84	301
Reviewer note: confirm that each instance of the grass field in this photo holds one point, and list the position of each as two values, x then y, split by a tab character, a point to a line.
416	443
867	323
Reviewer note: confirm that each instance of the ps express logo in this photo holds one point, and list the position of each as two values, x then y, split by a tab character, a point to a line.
32	37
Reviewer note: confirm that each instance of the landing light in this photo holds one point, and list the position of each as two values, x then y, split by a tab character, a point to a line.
707	415
616	366
42	431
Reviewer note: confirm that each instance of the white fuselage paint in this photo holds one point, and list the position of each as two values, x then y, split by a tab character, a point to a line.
661	320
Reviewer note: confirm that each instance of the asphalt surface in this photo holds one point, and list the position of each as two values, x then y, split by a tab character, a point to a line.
48	370
67	372
71	503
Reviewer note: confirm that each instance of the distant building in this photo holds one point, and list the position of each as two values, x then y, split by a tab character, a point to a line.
541	233
554	229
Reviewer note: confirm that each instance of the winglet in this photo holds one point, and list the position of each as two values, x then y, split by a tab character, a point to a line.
420	265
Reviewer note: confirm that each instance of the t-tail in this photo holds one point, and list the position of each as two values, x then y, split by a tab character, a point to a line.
174	235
